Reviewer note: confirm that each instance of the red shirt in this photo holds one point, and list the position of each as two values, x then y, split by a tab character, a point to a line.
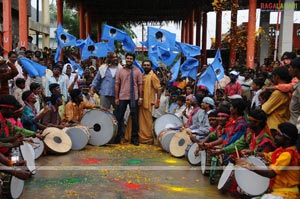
233	89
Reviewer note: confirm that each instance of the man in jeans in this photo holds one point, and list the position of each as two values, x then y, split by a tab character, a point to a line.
128	90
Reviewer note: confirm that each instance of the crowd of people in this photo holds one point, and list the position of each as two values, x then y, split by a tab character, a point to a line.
249	113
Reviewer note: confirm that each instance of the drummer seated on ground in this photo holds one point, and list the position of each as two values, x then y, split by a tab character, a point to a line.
212	118
215	137
74	108
52	117
283	164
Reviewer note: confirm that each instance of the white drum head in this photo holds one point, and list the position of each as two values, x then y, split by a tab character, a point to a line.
192	159
250	182
78	136
179	143
225	175
101	126
39	148
203	161
16	187
28	154
166	139
166	121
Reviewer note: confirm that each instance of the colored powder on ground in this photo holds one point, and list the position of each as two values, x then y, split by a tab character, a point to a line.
133	186
171	161
133	161
91	160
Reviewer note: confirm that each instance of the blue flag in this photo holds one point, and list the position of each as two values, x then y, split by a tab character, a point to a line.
153	57
112	33
63	38
175	70
33	69
139	66
57	54
166	56
160	37
94	49
217	66
80	43
208	79
74	64
188	50
189	68
128	44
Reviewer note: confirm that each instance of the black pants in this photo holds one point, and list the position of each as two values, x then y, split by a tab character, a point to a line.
120	111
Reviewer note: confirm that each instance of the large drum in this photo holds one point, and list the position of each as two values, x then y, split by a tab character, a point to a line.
179	143
56	140
251	183
166	121
164	139
102	126
28	154
38	146
12	186
79	135
205	162
226	178
190	154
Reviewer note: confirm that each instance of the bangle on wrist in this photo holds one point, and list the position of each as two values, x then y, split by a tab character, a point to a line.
140	98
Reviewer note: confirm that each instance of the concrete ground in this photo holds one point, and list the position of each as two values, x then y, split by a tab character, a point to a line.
118	172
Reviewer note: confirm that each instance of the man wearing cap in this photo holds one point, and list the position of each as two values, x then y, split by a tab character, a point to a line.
198	122
284	162
233	87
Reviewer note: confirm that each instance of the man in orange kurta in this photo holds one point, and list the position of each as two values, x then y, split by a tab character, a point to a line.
151	96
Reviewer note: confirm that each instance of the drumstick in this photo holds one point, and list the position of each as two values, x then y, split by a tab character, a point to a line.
237	152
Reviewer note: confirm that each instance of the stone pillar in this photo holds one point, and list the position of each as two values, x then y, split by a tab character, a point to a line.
218	29
46	21
198	27
7	27
191	26
264	41
59	5
187	30
286	28
23	24
232	56
251	35
182	31
81	20
204	38
87	23
99	30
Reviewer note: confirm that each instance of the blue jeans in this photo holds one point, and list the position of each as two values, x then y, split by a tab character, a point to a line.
120	111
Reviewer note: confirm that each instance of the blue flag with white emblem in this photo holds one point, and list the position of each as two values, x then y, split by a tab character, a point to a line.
160	37
63	38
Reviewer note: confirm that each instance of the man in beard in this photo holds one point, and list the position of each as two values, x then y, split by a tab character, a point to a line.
151	96
128	90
